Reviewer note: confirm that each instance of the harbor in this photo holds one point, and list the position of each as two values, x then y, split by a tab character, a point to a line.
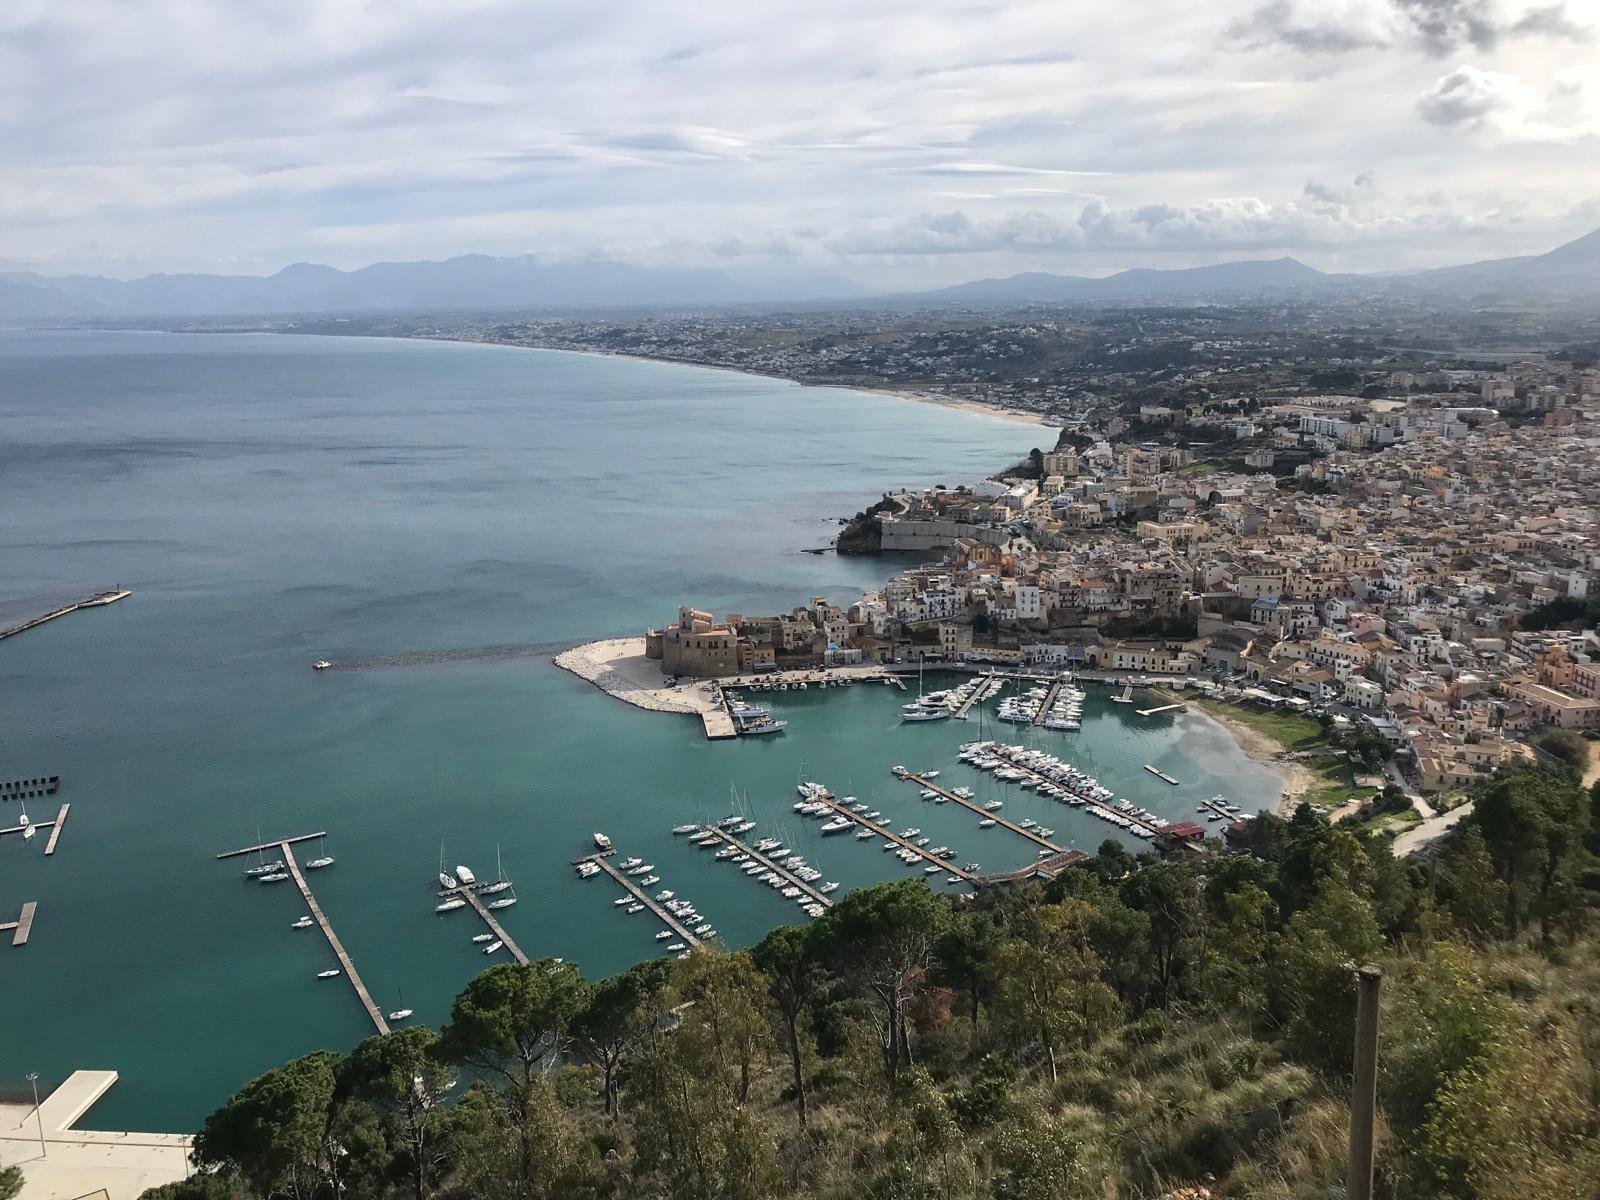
821	795
602	859
984	814
775	865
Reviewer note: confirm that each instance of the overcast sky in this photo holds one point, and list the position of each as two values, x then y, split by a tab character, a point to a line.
896	143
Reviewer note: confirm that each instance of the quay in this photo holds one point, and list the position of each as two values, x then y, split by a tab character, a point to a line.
478	906
285	846
985	814
889	835
718	724
1150	712
1045	869
23	925
54	826
96	601
1045	705
773	864
1161	775
671	922
30	789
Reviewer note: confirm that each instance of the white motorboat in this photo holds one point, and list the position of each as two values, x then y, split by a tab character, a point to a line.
483	937
675	947
321	664
329	974
303	923
493	946
663	935
635	908
623	901
628	864
682	829
450	905
275	877
400	1014
665	894
649	880
325	860
602	841
837	825
466	877
828	887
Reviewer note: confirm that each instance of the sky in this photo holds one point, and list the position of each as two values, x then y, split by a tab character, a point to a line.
891	143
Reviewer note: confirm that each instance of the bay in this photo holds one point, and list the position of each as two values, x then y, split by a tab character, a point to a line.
275	500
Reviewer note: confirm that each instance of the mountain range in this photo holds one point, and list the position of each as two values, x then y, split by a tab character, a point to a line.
480	282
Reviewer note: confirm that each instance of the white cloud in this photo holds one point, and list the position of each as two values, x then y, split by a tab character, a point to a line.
1504	106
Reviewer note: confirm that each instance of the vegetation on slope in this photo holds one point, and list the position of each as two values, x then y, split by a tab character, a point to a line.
1137	1028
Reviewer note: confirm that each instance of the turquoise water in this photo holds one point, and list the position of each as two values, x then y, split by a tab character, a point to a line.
276	500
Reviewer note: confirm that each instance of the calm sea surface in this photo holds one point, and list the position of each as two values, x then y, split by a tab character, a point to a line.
275	500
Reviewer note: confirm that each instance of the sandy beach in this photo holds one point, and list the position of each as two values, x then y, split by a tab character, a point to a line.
972	406
1298	779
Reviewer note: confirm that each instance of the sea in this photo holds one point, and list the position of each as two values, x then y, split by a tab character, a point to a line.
446	517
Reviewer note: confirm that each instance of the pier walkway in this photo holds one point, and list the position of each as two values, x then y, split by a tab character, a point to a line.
671	922
1043	711
482	909
22	926
1150	712
983	813
285	846
773	864
1161	775
986	687
54	826
1095	805
889	835
97	601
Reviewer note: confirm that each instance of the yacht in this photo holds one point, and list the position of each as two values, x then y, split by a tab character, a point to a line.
325	860
329	974
635	908
483	937
602	841
449	905
492	888
321	664
683	829
448	881
650	881
303	923
643	869
629	863
663	935
837	825
274	877
264	869
503	902
919	711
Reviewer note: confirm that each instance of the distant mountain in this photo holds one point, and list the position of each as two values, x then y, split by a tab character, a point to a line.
1246	276
1572	269
472	281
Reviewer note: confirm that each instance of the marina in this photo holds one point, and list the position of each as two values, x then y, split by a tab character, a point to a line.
774	865
824	797
29	829
475	902
1017	759
286	848
983	688
983	814
602	860
22	926
1041	713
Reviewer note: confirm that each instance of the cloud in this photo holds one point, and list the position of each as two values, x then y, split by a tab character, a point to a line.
1437	27
1503	106
988	169
1359	189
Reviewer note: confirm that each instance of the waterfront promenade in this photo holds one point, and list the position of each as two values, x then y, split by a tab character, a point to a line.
77	1162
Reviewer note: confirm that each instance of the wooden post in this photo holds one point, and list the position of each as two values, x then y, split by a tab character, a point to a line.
1364	1093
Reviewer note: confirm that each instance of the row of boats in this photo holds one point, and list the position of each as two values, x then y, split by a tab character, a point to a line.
768	861
817	801
1065	713
682	909
1059	780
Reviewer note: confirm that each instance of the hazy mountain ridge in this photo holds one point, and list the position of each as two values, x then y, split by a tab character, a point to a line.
482	282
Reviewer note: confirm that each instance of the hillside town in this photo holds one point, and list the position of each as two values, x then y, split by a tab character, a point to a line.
1413	573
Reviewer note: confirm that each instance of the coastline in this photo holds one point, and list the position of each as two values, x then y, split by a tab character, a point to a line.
1298	779
922	397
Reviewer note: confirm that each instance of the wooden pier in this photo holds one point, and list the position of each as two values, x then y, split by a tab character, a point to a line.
482	909
986	687
52	825
57	825
889	835
98	601
1087	803
1045	869
284	846
22	926
1161	775
1042	842
1043	711
1150	712
773	864
633	889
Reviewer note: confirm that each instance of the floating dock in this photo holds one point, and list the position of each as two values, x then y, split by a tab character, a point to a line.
1150	712
1161	775
773	864
671	922
985	814
889	835
53	825
22	926
987	686
96	601
285	846
1045	705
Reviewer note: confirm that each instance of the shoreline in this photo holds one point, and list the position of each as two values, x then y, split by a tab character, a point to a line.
1297	778
977	407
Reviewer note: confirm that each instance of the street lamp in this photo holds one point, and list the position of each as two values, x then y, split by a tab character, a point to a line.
33	1078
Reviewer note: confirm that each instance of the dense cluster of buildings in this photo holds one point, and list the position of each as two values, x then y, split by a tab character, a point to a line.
1388	578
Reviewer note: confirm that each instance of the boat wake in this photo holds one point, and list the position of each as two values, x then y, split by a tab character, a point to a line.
444	658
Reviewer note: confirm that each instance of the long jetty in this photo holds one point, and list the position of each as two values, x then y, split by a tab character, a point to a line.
22	926
1150	712
905	843
1042	842
987	686
479	907
773	864
54	826
95	601
1087	803
1045	705
643	897
285	846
